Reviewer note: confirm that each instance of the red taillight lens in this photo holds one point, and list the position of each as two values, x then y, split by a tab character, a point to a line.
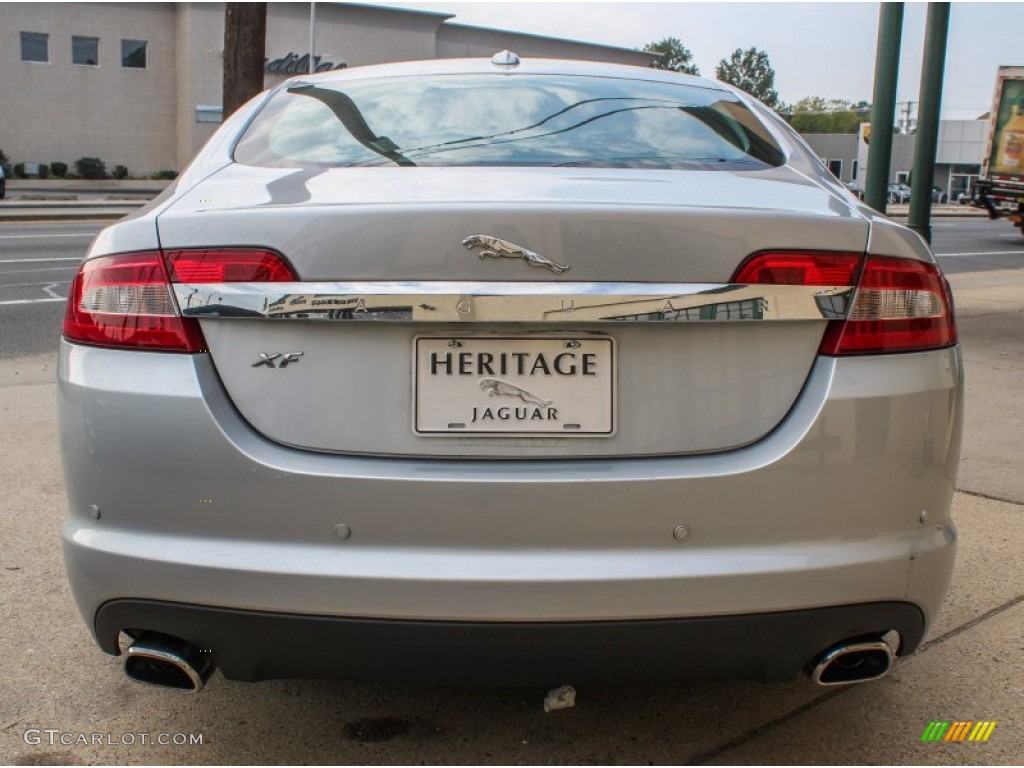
901	305
228	265
126	300
799	269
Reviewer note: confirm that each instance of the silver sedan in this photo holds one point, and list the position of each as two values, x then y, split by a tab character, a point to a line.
508	371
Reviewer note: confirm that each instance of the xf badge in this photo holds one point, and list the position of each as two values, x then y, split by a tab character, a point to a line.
284	357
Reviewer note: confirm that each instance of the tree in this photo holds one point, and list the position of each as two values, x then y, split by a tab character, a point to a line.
815	114
674	56
750	71
245	44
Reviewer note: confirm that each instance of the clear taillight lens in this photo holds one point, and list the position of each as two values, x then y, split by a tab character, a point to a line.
901	305
125	300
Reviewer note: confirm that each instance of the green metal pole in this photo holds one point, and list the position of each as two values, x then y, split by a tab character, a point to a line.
932	70
883	104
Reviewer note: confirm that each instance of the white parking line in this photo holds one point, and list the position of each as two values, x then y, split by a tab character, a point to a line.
34	271
1019	252
43	237
33	261
48	290
32	285
28	301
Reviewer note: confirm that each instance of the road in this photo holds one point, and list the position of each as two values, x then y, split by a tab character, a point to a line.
970	667
38	261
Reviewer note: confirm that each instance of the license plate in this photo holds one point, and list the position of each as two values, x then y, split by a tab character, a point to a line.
514	386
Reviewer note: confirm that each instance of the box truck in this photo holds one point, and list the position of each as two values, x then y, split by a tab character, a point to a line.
1000	188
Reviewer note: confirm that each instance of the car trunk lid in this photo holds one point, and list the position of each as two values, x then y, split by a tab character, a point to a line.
721	381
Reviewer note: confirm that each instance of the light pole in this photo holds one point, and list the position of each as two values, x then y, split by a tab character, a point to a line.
883	104
932	70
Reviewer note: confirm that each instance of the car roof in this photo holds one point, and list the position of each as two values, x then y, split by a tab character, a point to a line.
526	66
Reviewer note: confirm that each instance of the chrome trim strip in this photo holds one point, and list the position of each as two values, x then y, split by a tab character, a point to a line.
514	302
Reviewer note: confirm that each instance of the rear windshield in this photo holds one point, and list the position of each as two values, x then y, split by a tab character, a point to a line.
506	120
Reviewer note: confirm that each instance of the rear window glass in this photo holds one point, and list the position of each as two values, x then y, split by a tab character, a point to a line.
506	120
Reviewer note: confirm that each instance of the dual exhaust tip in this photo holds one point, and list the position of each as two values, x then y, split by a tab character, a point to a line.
170	662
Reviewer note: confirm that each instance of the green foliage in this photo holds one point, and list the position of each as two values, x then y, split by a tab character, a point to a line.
19	170
59	169
44	170
120	172
164	175
91	168
674	56
815	114
750	71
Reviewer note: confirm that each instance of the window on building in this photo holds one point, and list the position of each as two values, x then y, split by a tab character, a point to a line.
961	184
85	50
856	168
133	54
835	167
35	46
903	177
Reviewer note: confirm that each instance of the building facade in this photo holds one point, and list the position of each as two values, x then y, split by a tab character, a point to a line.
958	157
139	84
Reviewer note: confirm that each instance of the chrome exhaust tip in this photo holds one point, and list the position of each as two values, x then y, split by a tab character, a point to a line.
853	662
168	662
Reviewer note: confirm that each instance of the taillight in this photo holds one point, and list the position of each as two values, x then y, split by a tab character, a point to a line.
227	265
900	305
800	268
125	300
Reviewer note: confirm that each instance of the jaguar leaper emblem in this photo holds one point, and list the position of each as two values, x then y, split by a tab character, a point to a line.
496	248
499	388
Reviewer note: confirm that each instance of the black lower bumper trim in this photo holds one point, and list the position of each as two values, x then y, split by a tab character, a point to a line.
251	645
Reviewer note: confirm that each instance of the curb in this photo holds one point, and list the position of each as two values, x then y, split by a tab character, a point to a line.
70	205
87	216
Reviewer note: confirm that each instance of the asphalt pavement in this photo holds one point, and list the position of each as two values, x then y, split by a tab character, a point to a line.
57	688
37	263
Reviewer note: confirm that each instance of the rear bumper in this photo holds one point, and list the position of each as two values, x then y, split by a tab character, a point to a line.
198	509
250	645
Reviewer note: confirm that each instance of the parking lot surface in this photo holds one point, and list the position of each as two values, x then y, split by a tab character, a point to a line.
64	702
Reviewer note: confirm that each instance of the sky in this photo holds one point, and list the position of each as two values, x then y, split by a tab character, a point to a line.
817	48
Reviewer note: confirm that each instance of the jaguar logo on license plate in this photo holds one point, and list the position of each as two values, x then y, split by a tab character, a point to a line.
514	386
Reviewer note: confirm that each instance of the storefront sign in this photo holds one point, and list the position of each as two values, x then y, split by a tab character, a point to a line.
293	64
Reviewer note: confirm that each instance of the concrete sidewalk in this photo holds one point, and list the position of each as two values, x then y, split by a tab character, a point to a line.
55	186
76	199
15	212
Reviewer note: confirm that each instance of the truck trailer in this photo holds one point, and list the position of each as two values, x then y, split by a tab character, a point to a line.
1000	188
